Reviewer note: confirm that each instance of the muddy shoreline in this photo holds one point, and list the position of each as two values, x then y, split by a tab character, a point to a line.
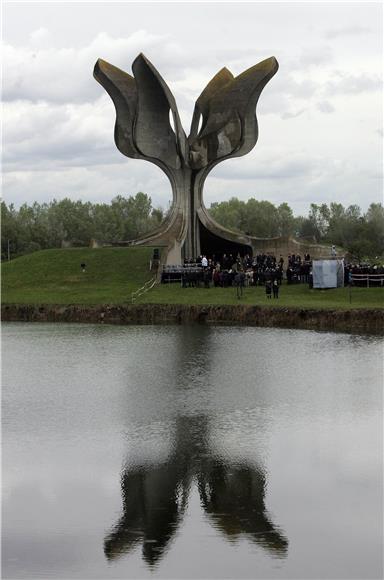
357	320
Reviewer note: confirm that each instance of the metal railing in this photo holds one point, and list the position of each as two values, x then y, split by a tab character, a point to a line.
368	278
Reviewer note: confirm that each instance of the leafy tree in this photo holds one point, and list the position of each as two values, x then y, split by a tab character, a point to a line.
258	218
286	220
157	216
72	221
104	222
229	214
9	229
306	228
132	215
375	229
262	219
319	216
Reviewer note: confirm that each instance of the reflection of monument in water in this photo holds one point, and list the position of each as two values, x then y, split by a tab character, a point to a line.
155	496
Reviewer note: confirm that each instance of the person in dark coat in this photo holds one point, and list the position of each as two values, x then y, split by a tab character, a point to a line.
275	288
239	281
268	289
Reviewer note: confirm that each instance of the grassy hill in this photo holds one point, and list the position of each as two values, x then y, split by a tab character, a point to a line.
55	276
112	274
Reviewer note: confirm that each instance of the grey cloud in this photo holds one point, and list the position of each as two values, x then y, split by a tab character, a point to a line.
39	72
56	131
316	56
297	60
287	84
41	134
286	96
65	74
278	175
295	178
325	107
62	75
279	166
96	183
292	114
347	31
299	193
62	155
353	84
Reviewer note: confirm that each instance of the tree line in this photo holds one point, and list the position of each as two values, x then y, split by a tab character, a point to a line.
49	225
361	234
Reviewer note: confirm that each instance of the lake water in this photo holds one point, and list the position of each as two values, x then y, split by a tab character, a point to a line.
191	452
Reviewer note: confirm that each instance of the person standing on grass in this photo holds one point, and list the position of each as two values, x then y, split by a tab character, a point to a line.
275	288
268	289
239	281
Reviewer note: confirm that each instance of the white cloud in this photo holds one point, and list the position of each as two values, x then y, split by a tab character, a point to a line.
97	183
40	37
43	134
65	74
273	163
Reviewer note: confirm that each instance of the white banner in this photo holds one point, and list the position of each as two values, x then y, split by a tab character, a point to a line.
328	273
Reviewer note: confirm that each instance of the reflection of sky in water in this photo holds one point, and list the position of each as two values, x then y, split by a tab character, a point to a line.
231	429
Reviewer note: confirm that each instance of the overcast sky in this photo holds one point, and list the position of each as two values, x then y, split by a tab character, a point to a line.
320	117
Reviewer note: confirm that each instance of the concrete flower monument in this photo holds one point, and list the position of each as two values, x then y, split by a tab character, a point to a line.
224	126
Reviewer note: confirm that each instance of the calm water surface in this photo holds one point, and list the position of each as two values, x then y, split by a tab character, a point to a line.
191	452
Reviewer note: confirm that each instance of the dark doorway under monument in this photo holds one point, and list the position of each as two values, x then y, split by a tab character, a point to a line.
211	244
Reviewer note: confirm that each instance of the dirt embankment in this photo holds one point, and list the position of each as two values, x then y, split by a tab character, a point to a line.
358	320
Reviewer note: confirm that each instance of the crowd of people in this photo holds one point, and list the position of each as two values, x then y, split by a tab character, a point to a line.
359	274
258	270
262	269
240	271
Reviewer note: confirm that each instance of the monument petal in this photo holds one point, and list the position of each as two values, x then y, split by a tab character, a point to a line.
229	112
121	87
153	132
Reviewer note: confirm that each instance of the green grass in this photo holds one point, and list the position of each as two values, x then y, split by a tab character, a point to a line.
295	295
55	277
